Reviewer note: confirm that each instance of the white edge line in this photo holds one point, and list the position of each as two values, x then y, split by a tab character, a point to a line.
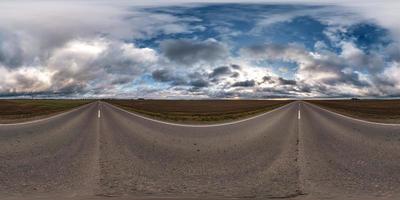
352	118
47	118
205	125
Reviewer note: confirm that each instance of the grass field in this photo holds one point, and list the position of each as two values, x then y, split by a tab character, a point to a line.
22	110
198	111
386	111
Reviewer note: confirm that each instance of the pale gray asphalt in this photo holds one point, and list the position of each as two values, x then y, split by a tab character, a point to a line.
77	155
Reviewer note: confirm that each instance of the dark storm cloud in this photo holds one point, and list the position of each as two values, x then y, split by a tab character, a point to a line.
164	75
189	52
352	79
268	79
259	93
11	53
247	83
232	71
283	81
305	89
219	71
195	80
235	66
199	83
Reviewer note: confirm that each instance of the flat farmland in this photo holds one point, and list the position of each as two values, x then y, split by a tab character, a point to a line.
12	111
384	111
198	111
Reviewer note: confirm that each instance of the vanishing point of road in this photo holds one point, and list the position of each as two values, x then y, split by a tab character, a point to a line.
298	151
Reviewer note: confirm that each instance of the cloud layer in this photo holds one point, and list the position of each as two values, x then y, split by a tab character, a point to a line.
122	49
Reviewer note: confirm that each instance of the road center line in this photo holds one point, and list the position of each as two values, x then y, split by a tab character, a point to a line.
98	114
299	115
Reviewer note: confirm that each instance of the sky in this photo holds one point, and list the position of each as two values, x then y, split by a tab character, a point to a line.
194	50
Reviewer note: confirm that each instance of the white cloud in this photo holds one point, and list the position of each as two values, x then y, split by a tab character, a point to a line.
392	75
80	66
24	80
325	73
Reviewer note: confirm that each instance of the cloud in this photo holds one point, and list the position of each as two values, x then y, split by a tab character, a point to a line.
193	81
24	80
11	53
40	27
393	51
80	67
164	75
268	79
247	83
391	80
325	72
189	52
100	48
283	81
231	78
199	83
359	60
87	18
220	71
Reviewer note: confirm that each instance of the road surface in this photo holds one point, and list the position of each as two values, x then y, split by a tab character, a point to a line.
298	151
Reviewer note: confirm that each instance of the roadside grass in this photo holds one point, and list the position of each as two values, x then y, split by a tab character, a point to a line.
384	111
198	111
15	110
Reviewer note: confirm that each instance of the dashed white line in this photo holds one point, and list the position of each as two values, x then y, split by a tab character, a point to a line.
299	115
98	114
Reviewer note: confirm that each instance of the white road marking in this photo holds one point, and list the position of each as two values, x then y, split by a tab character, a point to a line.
98	114
299	113
200	126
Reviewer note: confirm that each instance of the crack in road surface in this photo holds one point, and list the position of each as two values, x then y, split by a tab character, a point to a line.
314	155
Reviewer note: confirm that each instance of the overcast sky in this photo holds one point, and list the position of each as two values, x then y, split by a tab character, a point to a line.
187	49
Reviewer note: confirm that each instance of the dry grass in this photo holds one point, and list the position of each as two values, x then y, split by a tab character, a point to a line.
198	111
22	110
386	111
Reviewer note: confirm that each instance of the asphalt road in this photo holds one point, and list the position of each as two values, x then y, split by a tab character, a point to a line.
298	151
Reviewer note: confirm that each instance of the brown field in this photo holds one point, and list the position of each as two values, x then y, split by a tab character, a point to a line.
385	111
22	110
198	111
